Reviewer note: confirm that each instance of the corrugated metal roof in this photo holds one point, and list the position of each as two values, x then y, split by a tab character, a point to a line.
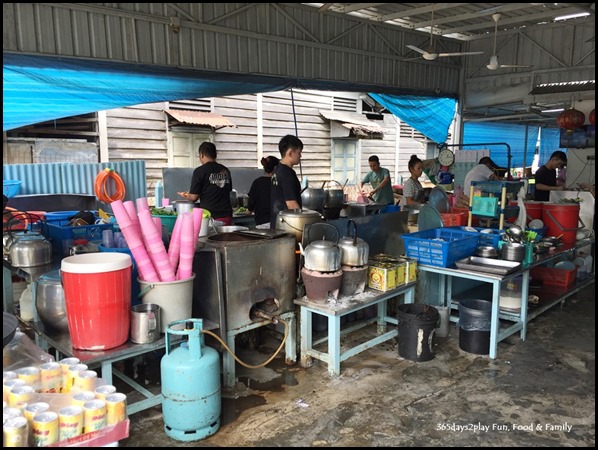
200	118
353	121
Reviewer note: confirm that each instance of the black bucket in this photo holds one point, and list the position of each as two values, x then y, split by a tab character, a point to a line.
475	316
417	324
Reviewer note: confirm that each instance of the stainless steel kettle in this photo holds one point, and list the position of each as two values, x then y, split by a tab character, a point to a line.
354	251
323	256
30	250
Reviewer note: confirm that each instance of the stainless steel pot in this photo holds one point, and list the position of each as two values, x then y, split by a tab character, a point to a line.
334	197
183	206
294	220
243	200
50	302
313	198
30	251
354	251
323	256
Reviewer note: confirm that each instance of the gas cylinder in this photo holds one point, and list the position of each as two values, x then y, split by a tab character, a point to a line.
190	373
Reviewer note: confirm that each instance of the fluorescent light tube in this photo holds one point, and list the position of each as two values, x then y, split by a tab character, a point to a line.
553	110
572	16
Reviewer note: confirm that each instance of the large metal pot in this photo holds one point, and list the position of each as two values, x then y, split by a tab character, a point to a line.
30	251
313	198
294	220
334	196
50	302
183	206
323	256
354	251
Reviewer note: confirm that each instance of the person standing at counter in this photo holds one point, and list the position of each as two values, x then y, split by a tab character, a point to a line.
546	176
211	184
286	189
260	192
379	178
413	191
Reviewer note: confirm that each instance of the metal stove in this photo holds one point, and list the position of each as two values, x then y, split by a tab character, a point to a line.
245	280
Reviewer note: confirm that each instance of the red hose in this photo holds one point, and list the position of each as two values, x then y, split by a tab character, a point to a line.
101	186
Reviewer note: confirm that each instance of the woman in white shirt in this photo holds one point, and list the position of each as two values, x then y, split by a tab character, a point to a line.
413	191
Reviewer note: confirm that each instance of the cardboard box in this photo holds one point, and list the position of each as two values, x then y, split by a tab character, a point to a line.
382	276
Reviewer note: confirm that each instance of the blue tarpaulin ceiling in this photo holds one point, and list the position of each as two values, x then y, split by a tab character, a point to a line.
512	134
37	88
430	116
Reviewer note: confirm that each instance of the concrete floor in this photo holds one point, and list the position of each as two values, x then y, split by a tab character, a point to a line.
540	392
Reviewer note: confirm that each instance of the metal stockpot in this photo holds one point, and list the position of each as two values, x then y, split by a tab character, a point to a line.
334	197
294	220
183	206
323	256
30	251
50	303
354	251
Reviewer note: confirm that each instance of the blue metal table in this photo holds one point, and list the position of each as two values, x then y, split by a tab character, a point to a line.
551	296
61	343
334	310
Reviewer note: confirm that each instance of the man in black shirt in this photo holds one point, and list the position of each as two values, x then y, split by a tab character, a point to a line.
286	189
211	184
546	176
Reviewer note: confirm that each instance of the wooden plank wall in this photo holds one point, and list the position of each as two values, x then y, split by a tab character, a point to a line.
140	133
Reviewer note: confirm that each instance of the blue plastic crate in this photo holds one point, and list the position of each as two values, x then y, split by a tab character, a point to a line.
440	247
60	233
491	238
62	217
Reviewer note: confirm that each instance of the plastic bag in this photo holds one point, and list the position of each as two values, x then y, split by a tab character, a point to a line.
522	217
22	352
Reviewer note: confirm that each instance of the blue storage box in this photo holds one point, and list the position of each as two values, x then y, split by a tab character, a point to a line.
440	247
60	233
492	237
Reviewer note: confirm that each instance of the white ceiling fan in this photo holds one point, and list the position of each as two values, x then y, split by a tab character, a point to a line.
431	53
493	63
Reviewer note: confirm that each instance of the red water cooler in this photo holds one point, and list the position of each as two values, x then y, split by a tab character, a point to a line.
97	292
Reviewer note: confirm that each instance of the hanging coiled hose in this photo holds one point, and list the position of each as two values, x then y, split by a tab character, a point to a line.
101	186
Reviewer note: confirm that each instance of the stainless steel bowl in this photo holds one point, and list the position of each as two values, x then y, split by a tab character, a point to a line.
50	302
486	251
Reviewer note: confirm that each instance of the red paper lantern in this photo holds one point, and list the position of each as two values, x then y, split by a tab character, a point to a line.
571	119
593	117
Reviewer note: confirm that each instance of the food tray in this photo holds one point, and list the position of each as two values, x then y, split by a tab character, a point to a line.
489	265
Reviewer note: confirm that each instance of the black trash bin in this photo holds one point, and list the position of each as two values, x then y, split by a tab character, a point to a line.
417	324
475	316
